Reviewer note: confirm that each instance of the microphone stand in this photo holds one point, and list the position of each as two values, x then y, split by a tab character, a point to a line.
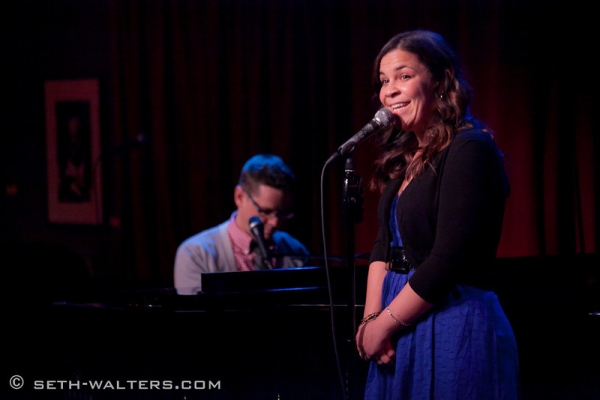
352	211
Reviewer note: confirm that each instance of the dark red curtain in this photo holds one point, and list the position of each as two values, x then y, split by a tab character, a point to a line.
200	86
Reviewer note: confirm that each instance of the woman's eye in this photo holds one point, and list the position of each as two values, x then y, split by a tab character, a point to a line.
384	81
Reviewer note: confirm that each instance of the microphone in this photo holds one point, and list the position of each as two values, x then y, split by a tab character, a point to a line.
382	119
257	230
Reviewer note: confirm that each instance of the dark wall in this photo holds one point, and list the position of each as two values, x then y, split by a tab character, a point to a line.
50	40
66	39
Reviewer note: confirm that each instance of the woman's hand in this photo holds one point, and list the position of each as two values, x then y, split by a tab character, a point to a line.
373	341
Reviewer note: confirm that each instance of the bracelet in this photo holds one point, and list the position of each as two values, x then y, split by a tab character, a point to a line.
369	317
395	319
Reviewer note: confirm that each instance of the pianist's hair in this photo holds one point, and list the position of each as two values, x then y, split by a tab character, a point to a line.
266	169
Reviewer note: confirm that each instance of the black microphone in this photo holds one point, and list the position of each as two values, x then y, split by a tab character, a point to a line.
257	230
382	119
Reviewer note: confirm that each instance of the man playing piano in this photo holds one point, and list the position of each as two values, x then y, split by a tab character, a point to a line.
250	239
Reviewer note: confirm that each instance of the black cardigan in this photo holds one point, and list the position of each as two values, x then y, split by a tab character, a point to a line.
450	217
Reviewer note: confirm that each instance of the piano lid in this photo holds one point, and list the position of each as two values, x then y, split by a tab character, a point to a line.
309	277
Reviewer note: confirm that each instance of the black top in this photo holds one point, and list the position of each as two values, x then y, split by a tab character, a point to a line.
450	217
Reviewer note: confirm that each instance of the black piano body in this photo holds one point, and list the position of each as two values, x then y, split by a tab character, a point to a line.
282	334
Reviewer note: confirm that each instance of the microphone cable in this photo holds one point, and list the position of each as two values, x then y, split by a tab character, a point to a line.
330	294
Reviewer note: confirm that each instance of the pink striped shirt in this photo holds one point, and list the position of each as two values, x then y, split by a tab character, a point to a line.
244	259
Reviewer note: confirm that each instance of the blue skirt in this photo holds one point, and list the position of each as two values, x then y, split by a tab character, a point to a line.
463	349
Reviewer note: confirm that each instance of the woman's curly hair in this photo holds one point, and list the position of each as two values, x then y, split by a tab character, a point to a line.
451	116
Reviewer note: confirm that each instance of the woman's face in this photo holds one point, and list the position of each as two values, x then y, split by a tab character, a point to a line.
408	90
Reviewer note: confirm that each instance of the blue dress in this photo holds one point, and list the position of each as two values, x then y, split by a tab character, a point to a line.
463	349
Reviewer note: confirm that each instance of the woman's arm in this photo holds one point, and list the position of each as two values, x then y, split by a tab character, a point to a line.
373	297
375	278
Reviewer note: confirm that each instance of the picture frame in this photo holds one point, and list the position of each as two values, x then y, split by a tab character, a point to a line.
73	149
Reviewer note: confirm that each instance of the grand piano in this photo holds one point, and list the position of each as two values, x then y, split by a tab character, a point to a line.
282	334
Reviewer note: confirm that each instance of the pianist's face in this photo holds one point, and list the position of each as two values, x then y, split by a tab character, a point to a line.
271	205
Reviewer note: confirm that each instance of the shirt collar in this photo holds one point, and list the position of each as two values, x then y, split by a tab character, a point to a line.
239	238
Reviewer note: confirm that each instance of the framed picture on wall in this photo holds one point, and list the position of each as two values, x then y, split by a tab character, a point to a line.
73	151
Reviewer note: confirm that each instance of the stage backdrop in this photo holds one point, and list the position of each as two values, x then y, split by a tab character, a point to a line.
203	85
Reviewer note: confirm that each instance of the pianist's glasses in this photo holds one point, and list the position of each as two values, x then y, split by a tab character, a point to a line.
264	213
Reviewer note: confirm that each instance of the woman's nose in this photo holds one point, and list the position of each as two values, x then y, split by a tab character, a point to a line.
391	90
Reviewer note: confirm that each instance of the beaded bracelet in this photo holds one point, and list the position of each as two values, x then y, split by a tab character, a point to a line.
395	319
369	317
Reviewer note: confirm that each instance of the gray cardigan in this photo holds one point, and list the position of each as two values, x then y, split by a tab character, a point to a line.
211	251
